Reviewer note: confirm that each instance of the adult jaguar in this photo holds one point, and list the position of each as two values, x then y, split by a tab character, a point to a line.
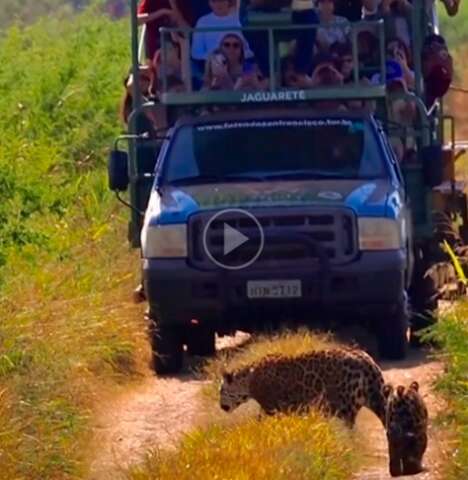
338	381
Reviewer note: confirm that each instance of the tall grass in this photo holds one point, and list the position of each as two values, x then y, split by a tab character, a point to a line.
66	326
452	332
275	448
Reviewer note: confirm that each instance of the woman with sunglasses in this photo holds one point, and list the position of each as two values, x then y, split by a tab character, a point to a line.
243	71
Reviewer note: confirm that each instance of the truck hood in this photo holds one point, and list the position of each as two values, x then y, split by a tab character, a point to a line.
176	204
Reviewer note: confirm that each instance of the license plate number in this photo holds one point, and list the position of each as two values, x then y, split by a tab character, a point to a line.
274	289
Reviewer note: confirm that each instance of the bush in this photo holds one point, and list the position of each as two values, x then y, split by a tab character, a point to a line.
60	83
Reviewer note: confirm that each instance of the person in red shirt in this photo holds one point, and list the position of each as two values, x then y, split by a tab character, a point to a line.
161	13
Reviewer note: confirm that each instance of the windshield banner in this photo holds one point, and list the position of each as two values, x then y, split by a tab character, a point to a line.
328	122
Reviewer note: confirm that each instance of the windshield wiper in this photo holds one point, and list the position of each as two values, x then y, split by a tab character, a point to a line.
201	179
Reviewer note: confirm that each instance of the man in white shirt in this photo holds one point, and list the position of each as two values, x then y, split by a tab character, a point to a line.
223	14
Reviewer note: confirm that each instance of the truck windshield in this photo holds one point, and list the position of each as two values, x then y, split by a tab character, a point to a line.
260	150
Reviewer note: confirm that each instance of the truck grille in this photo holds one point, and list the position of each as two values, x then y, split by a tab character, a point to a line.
334	230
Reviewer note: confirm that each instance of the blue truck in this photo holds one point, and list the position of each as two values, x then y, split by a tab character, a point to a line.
251	208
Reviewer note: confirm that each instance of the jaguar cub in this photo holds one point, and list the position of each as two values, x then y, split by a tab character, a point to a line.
406	424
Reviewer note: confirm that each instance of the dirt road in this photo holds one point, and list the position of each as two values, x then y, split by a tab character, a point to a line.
159	411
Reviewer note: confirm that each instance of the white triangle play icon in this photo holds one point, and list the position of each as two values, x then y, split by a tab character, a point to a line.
232	239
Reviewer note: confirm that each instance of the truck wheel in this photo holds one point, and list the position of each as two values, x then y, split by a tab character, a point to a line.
392	333
167	346
201	342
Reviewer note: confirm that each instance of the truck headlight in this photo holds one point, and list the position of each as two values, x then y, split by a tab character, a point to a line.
380	234
168	241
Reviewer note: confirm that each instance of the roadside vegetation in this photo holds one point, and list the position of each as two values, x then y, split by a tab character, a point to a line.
452	332
67	328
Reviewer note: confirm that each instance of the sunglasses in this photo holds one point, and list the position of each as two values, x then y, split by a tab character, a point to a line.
234	45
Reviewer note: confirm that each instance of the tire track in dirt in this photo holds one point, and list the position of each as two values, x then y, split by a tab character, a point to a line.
156	413
159	411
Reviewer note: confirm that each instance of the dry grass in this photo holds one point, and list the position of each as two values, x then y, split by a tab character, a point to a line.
274	448
68	330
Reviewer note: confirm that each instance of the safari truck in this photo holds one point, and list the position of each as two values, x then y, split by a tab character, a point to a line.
250	207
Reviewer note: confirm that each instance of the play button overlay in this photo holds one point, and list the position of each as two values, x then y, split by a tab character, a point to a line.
233	239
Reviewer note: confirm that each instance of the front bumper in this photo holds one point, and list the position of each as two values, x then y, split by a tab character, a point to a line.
178	293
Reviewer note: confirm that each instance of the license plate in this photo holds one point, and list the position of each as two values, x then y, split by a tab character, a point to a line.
274	289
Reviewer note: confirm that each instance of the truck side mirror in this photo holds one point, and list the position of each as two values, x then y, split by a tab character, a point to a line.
433	165
118	171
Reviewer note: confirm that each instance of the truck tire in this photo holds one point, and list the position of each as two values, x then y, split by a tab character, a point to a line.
201	342
392	333
167	348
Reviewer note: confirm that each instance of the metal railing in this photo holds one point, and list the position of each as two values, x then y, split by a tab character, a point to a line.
275	91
